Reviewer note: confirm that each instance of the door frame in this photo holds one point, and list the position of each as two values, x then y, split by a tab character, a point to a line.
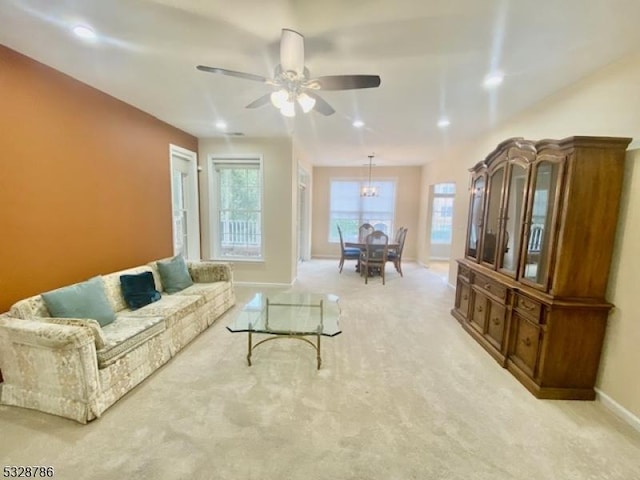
193	210
302	220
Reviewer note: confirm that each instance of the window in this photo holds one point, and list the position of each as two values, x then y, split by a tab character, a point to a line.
349	210
237	214
442	213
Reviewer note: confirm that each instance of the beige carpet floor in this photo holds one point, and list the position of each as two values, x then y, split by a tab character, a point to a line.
404	393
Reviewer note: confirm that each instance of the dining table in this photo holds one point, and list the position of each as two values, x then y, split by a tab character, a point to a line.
363	246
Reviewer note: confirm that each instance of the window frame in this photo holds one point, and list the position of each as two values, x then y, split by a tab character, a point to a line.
214	204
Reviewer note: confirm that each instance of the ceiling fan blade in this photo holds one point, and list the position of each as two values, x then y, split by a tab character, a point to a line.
232	73
321	105
263	100
344	82
292	51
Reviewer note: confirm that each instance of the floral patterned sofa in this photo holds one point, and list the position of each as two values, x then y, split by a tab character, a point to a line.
77	369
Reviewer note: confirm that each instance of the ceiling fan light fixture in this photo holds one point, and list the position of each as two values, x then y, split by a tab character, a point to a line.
306	102
279	98
288	109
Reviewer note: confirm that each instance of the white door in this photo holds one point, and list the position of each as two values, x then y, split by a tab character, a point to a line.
184	201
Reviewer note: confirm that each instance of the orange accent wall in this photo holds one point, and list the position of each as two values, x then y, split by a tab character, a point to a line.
84	181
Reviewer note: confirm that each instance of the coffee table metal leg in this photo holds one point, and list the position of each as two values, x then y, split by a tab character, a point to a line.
249	350
318	352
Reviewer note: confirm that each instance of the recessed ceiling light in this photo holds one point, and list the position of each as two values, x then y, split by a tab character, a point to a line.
84	31
493	79
358	123
220	125
444	122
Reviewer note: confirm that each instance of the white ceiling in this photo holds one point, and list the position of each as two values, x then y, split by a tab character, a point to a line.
432	56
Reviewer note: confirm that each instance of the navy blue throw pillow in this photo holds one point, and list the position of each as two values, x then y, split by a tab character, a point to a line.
139	290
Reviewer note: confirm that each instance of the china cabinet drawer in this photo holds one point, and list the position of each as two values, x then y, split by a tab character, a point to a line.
525	344
491	287
527	307
464	272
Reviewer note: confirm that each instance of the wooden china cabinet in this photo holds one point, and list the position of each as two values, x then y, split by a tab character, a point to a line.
531	288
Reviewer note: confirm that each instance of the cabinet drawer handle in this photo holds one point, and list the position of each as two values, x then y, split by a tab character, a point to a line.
479	308
487	286
527	341
527	306
465	297
496	321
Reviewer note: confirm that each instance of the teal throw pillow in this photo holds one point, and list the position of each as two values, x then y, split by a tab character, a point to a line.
174	274
82	300
139	290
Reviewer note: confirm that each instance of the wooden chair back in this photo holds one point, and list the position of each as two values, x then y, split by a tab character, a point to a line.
364	230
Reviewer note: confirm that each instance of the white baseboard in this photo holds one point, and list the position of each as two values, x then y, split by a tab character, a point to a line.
618	409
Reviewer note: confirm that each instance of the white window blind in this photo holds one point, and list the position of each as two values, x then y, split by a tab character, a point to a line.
349	210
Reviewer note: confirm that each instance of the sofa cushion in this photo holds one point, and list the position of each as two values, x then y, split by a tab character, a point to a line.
125	334
208	291
170	307
139	290
81	300
175	275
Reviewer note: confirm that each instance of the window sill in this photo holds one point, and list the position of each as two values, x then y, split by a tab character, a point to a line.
238	260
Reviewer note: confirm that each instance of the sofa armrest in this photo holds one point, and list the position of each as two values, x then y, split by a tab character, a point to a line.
209	272
44	334
46	359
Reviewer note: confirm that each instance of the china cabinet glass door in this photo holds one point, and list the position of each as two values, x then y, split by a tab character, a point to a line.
474	230
492	224
541	220
513	215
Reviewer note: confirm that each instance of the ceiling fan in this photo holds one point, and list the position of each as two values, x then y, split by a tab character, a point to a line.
292	81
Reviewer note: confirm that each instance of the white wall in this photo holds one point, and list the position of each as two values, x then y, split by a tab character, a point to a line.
280	178
604	104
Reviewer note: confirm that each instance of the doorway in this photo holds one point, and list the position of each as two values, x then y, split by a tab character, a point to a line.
184	202
441	225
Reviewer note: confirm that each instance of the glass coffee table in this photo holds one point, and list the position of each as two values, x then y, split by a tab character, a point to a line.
289	315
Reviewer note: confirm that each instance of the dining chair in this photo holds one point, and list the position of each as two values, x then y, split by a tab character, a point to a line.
374	256
395	256
346	253
364	230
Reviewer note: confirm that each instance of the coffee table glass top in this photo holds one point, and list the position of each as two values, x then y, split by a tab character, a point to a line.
289	313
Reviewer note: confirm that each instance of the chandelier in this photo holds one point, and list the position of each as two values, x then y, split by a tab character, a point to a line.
369	190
